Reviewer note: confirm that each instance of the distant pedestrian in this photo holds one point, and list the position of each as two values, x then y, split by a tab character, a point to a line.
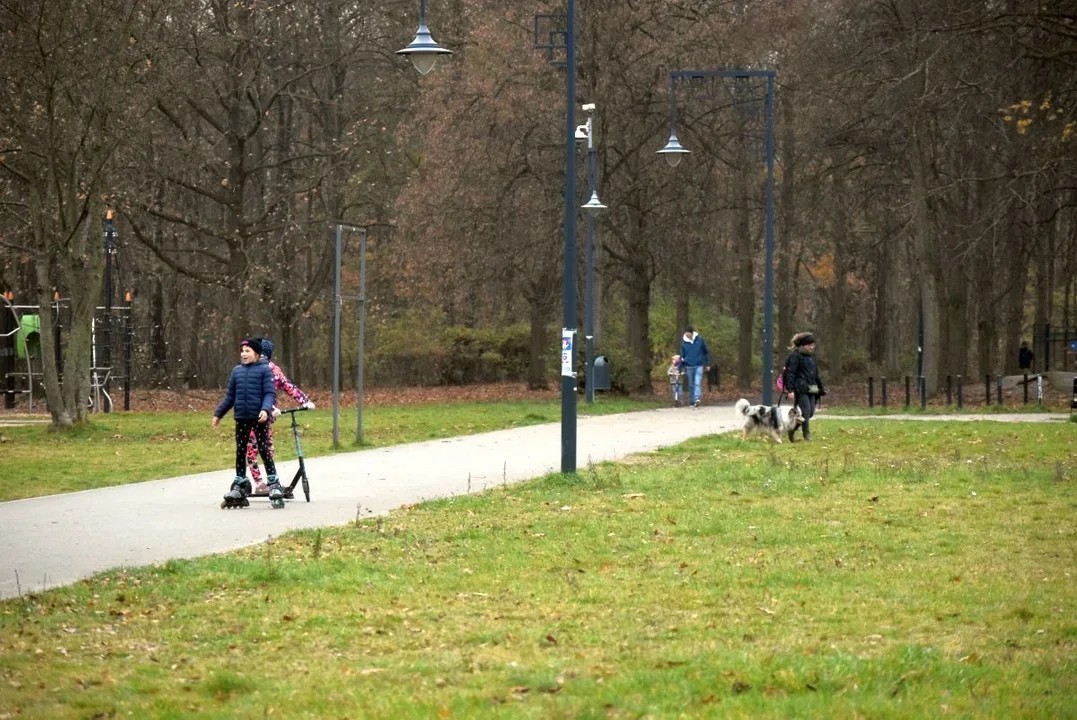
696	360
1025	358
801	379
676	376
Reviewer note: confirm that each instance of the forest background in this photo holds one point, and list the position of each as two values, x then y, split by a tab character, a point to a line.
926	177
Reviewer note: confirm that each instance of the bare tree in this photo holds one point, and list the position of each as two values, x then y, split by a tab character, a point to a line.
76	82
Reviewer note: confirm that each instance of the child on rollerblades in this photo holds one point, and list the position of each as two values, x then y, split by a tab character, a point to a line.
280	382
250	396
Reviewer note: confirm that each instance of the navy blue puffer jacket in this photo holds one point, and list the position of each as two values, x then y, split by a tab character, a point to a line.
250	390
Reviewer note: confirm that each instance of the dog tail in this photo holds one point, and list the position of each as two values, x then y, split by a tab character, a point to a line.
743	406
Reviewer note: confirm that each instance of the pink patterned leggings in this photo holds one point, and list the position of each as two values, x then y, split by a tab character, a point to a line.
252	454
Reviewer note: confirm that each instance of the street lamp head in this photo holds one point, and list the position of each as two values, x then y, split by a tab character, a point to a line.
423	51
593	206
673	150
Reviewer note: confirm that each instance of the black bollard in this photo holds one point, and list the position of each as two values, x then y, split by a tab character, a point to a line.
1026	388
907	394
987	390
949	390
871	391
923	393
960	392
998	387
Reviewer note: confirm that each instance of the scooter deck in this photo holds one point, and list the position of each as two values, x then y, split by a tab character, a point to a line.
288	495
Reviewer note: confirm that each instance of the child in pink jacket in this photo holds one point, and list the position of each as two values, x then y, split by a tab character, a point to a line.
280	382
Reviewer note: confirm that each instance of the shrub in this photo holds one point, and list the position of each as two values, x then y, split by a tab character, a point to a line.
419	349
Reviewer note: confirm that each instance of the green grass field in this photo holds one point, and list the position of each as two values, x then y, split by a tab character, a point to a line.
889	569
132	447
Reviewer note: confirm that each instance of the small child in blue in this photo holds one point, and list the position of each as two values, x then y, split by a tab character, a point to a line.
251	396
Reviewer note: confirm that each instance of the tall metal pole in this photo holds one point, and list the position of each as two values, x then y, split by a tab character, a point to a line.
110	251
768	282
589	281
568	300
128	343
336	347
362	335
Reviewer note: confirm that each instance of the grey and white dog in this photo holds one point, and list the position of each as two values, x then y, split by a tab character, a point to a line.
770	419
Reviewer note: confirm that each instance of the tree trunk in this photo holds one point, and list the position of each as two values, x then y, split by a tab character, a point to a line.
1014	315
682	302
538	315
746	285
987	307
924	249
286	354
53	392
158	344
786	260
638	329
881	340
835	340
986	339
192	369
1044	230
957	322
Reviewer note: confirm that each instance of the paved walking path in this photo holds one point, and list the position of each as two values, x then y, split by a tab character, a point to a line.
59	539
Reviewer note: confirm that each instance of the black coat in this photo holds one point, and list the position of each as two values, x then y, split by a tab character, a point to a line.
801	372
250	390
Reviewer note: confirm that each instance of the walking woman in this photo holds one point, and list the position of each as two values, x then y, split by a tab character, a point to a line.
801	379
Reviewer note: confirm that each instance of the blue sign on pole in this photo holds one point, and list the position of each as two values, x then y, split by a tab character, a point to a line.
1073	345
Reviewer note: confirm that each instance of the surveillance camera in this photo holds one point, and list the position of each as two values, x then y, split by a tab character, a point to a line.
588	107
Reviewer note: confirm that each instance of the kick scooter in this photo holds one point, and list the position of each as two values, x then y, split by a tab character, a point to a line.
300	474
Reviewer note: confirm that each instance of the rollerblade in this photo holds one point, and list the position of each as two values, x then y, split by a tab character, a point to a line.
276	494
236	497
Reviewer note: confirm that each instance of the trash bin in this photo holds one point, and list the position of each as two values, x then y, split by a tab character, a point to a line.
602	373
713	379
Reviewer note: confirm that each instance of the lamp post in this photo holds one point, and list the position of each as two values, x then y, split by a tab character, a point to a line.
674	151
423	51
592	208
568	295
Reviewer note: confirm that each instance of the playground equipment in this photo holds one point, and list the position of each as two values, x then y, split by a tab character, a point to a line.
20	348
22	361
